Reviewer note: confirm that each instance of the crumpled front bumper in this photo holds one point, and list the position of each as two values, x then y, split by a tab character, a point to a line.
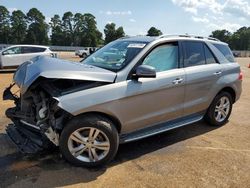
8	95
28	138
28	141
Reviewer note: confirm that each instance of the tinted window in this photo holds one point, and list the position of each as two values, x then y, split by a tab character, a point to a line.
32	50
194	54
209	56
163	57
225	50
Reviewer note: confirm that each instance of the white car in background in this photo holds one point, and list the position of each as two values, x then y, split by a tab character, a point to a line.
82	53
85	52
14	56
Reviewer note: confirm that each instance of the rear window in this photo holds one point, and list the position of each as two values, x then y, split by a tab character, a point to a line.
225	50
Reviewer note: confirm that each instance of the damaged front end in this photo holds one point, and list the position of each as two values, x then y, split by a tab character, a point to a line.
37	119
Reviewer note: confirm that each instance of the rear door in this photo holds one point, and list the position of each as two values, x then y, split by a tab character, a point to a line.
30	52
203	72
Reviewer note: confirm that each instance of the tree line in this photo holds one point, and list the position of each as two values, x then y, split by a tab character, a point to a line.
69	30
238	40
81	30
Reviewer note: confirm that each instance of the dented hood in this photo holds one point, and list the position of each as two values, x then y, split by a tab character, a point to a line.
48	67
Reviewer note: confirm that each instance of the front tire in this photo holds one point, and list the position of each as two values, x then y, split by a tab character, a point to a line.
220	109
89	141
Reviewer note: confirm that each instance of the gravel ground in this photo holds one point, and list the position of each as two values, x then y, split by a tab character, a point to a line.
193	156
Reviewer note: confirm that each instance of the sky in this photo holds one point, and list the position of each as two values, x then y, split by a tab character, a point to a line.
198	17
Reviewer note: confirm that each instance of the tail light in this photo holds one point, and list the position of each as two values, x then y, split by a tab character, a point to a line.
240	76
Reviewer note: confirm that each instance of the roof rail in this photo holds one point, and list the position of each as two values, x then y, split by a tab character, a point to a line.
189	36
125	37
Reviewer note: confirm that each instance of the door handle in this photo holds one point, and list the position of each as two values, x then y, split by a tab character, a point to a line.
217	73
177	81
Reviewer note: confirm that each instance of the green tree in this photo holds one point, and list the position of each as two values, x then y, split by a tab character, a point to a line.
4	25
37	32
111	33
91	36
222	35
154	32
80	29
18	27
240	39
57	36
67	23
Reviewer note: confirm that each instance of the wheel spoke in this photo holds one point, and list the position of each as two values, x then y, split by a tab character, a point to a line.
94	154
226	105
217	109
78	150
218	116
77	137
223	113
101	145
222	101
96	134
91	158
91	133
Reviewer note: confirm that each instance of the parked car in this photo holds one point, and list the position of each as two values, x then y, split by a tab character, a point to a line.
236	54
87	109
14	56
85	52
82	53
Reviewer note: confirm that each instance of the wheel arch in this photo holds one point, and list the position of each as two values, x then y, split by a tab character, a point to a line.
231	91
115	120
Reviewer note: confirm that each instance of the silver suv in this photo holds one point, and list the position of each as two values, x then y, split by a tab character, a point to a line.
130	89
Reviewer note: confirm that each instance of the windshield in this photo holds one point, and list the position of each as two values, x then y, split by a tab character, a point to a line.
116	55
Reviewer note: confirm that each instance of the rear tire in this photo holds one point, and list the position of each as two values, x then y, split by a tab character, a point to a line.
220	109
89	141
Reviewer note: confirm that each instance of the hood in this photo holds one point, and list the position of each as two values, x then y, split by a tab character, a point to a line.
48	67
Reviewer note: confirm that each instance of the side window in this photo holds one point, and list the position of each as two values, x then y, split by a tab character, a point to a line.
225	50
27	49
194	54
163	58
11	51
209	56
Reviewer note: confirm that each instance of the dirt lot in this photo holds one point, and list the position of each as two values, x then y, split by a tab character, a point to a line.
193	156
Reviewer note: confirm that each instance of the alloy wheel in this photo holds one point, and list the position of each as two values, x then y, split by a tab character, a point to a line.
222	109
89	144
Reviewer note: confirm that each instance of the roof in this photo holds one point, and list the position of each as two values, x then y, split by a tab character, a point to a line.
171	38
139	38
28	45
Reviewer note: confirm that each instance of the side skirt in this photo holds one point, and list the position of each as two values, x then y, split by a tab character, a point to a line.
162	127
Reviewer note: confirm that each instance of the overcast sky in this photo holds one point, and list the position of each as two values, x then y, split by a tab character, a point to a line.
198	17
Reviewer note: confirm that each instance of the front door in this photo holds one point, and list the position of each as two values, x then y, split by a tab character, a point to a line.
151	101
12	57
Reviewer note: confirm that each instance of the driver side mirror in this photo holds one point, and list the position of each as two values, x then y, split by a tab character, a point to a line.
144	71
